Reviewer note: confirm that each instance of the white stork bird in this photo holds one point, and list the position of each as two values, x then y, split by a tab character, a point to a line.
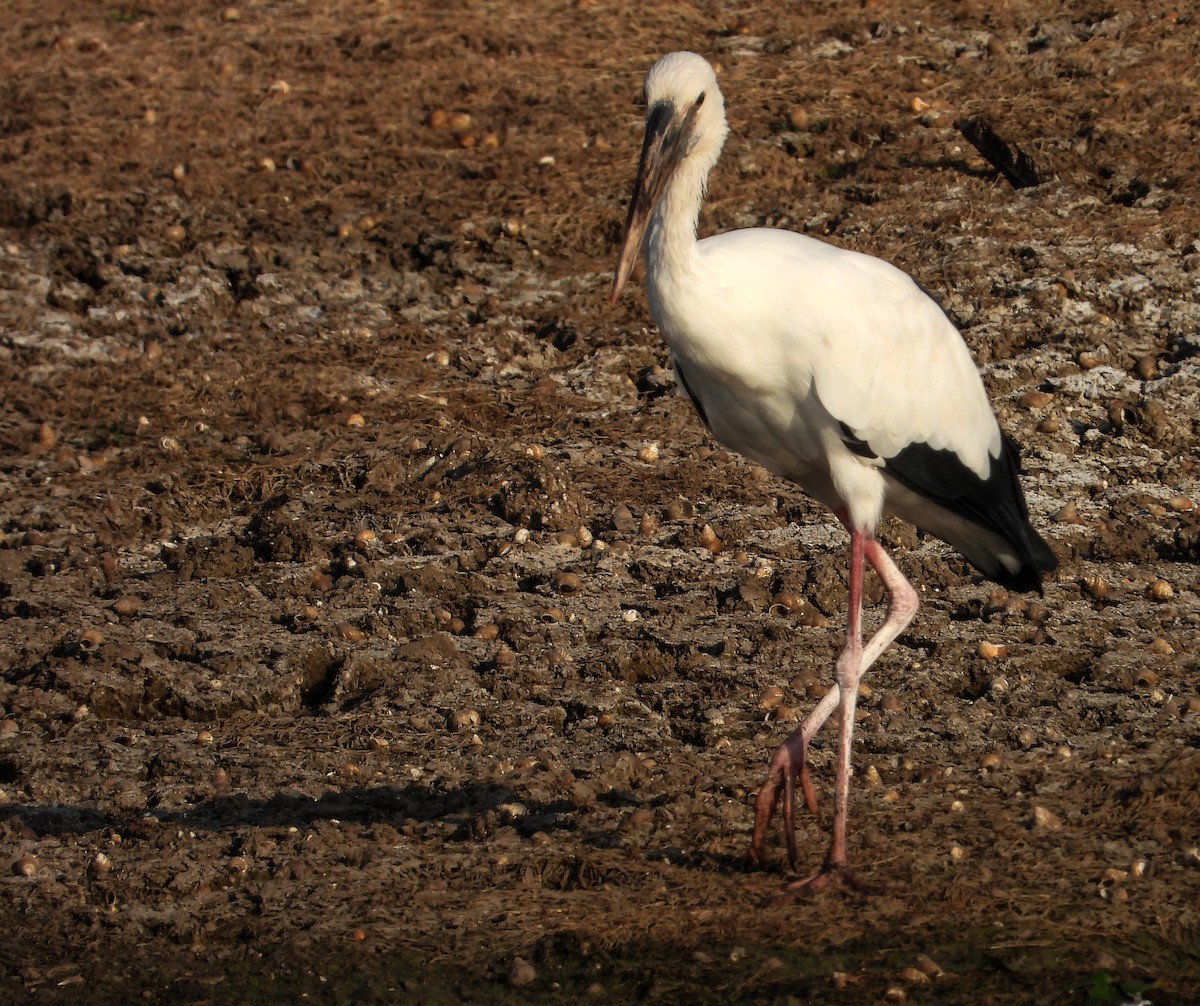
831	369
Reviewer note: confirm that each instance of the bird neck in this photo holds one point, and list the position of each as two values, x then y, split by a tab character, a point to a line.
671	236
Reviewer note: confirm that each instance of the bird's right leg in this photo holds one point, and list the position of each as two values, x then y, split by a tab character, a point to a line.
790	761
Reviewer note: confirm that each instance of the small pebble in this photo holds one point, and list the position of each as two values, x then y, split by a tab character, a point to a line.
709	539
1147	368
1068	513
566	583
521	973
463	719
992	651
1121	414
1036	399
678	510
127	605
1160	590
349	633
787	603
1046	819
25	866
928	966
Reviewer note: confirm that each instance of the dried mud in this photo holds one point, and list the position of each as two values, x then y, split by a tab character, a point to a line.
377	625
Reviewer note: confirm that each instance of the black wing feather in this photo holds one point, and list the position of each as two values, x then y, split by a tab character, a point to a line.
996	503
691	397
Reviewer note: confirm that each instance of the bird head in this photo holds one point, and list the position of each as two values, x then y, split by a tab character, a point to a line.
685	125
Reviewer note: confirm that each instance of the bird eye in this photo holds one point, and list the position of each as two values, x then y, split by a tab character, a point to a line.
699	101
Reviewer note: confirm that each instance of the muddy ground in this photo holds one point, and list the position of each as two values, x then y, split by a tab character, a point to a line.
360	633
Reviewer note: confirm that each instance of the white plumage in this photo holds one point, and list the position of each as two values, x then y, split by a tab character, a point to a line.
831	369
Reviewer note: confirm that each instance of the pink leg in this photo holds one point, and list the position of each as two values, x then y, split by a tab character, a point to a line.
790	759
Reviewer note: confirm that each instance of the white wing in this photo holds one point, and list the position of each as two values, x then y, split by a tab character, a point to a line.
860	335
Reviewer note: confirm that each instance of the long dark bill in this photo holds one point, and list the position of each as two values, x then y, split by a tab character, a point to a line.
662	150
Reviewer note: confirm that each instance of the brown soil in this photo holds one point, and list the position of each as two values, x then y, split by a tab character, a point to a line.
315	684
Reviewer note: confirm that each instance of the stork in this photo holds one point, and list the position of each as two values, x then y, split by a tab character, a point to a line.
835	371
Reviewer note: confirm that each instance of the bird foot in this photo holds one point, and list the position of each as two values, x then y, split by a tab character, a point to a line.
789	763
825	879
